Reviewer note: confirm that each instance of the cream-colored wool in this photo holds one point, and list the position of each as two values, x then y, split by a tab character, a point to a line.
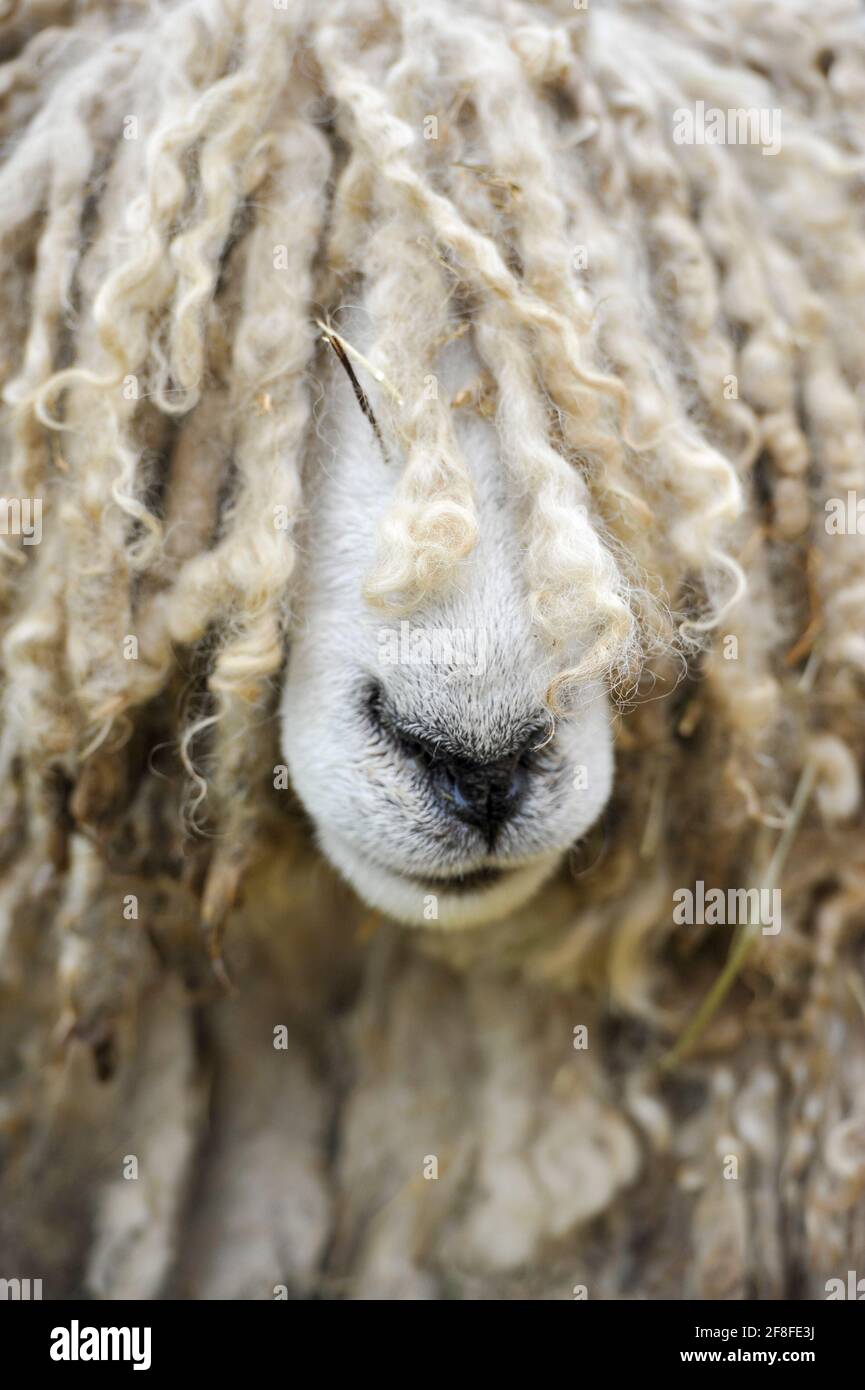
187	188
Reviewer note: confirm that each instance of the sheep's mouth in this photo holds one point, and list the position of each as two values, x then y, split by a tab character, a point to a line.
450	901
461	883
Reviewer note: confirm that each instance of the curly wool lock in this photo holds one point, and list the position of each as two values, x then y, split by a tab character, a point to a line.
674	340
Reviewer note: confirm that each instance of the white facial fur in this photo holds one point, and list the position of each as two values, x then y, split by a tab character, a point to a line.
472	687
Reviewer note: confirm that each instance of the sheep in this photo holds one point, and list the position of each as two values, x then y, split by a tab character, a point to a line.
439	429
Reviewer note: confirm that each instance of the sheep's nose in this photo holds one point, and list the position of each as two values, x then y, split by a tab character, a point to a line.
483	795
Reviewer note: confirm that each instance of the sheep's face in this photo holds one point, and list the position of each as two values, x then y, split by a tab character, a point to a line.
421	748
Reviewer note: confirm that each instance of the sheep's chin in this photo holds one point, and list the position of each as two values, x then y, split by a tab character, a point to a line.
418	904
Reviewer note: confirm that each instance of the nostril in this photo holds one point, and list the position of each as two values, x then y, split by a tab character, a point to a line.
373	703
518	783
